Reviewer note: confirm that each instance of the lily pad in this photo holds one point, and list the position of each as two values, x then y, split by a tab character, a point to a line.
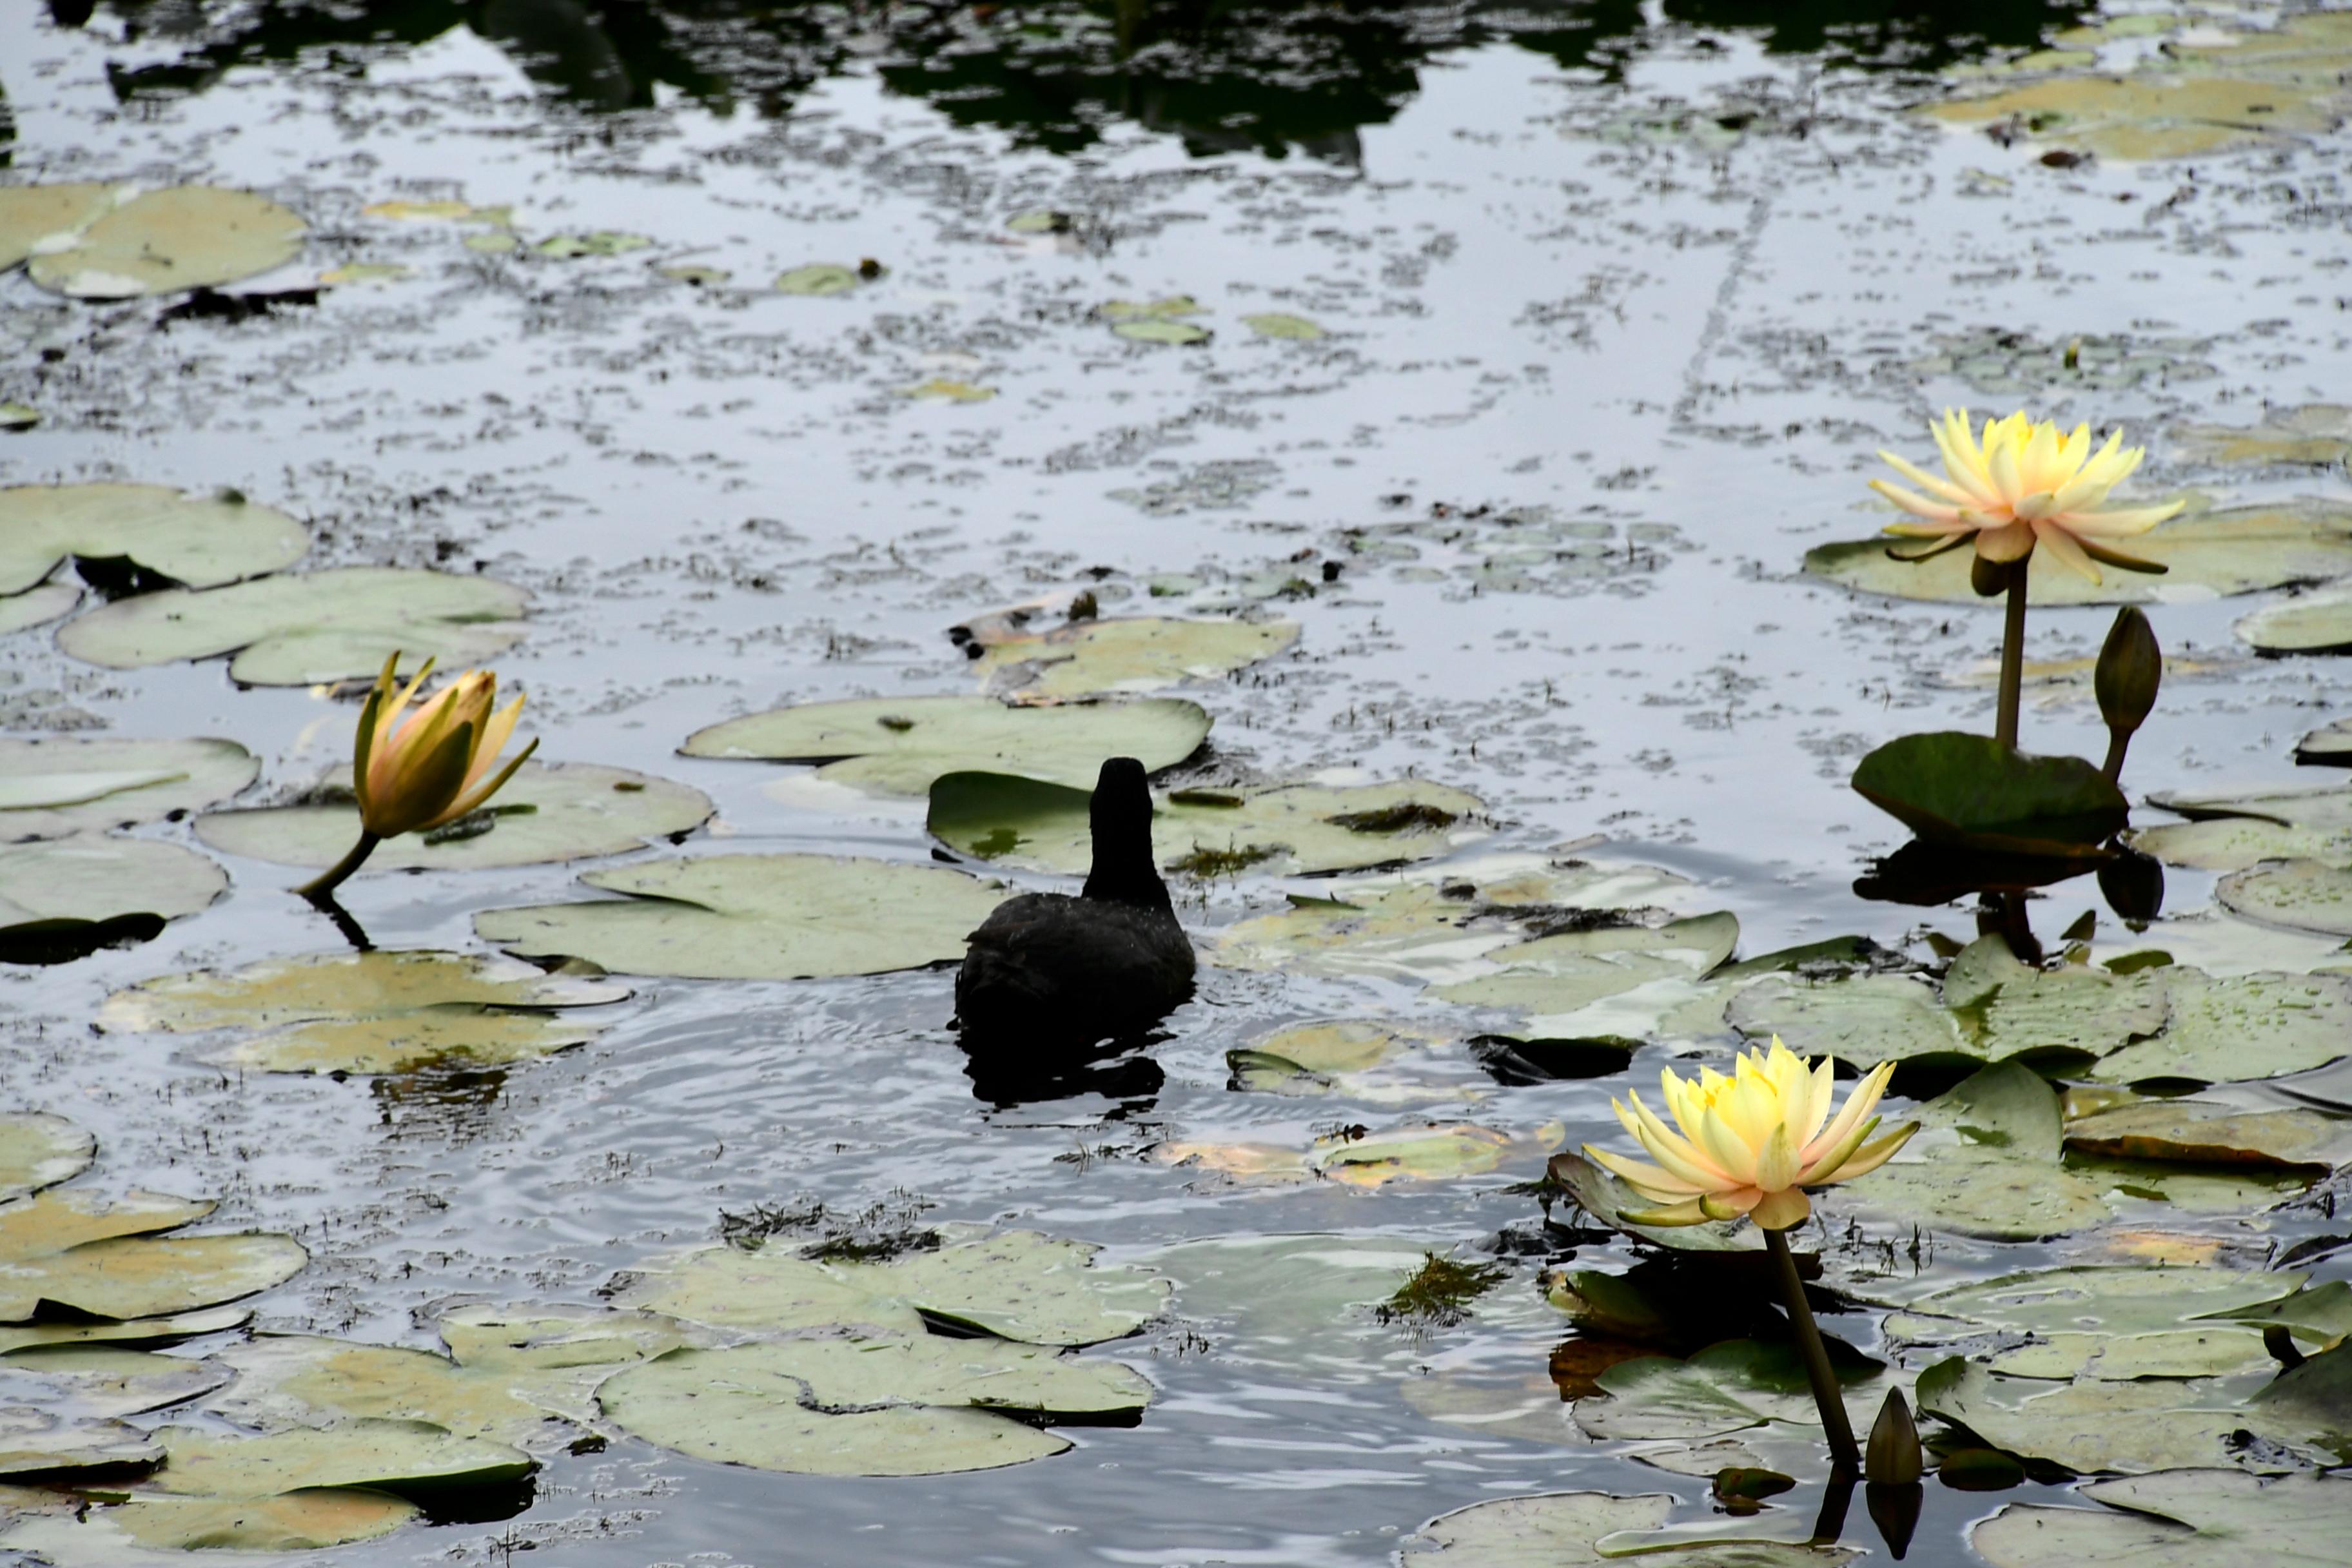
37	606
2238	551
2085	1307
303	629
2309	895
53	1444
102	1382
550	1339
1015	1285
170	1329
104	1260
1984	1163
129	242
1290	1299
2203	1133
34	215
2090	1425
1567	1529
1092	657
545	813
755	917
2246	1026
37	1150
1726	1387
2317	434
1155	330
1422	1153
403	1458
899	746
1861	1020
1282	830
1282	324
2308	623
60	784
819	280
1553	976
289	1381
1973	792
372	1011
859	1373
94	881
767	1427
600	242
2234	832
2177	1519
195	542
1608	1200
121	1535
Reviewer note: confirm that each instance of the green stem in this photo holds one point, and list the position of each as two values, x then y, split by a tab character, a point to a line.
2012	656
1845	1459
2117	741
327	882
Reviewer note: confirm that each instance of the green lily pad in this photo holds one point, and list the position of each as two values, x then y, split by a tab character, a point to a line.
1154	330
2317	434
2309	895
2329	745
143	1531
305	628
2109	1301
289	1381
2241	550
169	1329
601	242
33	215
102	1382
2090	1425
1094	657
1972	791
2246	1026
546	813
1552	977
900	746
1290	1299
908	1368
1420	1154
1984	1163
819	280
1283	325
2203	1133
37	605
1726	1387
2177	1519
1861	1020
1016	1285
1165	309
551	1339
96	880
1282	830
53	1444
1567	1529
755	917
397	1456
371	1012
39	1150
2311	1403
129	242
197	542
61	784
2234	832
766	1426
2308	623
73	1250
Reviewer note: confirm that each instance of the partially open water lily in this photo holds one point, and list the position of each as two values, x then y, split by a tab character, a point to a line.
2020	485
1750	1143
413	772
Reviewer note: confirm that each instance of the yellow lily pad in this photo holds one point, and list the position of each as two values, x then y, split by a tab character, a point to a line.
133	242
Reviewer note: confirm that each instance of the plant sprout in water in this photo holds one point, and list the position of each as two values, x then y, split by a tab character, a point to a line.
414	774
1750	1143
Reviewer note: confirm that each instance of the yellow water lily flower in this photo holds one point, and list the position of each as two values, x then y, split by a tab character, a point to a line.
433	766
2023	484
1751	1142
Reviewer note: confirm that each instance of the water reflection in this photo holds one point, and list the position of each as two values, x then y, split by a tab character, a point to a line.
1277	77
447	1104
1121	1071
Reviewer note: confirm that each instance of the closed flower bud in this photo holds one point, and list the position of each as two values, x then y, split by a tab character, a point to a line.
2130	669
1893	1457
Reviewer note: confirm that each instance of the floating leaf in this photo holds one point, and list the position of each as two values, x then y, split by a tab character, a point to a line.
2238	551
698	277
755	917
74	1251
2208	1134
167	1330
1726	1387
289	1381
1609	1201
1429	1154
545	813
2309	895
310	1519
1554	977
1973	792
36	218
766	1427
397	1456
198	541
37	1150
129	242
301	629
2092	1425
1283	830
2231	832
57	785
2308	623
2176	1518
550	1339
1985	1162
949	391
899	746
1278	324
912	1369
1092	657
2247	1026
2330	744
1153	330
92	883
819	280
601	242
1172	306
36	606
49	1443
1564	1529
2317	434
363	272
2084	1308
14	415
101	1381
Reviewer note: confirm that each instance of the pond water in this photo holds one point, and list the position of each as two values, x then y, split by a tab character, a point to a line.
1607	310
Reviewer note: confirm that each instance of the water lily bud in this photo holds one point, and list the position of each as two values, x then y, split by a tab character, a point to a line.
2130	669
415	771
1893	1458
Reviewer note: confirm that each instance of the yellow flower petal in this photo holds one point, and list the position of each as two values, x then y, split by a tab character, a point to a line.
1781	1210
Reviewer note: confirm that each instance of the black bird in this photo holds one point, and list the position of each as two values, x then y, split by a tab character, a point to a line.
1047	969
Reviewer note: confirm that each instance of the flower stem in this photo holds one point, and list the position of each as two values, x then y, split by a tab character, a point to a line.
2012	656
1845	1459
327	882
